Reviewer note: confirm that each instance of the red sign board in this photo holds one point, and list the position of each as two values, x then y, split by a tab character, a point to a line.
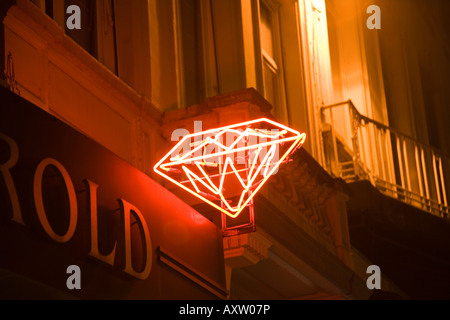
65	200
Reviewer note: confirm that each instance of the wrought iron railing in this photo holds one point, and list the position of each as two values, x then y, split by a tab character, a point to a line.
357	147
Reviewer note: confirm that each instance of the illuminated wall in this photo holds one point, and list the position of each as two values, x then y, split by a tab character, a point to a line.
156	65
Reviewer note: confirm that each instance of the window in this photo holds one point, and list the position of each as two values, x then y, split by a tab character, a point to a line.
86	37
271	58
195	51
97	34
192	53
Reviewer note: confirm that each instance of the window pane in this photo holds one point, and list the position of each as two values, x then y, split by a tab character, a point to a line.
270	87
266	29
86	37
49	8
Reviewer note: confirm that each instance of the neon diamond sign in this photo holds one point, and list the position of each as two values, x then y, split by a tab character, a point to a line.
225	167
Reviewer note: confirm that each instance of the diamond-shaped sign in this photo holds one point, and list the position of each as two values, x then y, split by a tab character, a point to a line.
226	167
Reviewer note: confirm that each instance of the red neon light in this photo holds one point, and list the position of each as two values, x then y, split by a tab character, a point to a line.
204	173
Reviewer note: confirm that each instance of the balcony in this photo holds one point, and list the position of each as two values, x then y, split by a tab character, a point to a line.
356	147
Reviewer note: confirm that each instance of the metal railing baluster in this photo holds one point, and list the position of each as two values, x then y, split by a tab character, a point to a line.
378	152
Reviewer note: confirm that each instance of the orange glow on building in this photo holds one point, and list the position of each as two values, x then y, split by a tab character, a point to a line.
96	148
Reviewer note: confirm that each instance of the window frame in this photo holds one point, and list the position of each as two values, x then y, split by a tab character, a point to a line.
209	66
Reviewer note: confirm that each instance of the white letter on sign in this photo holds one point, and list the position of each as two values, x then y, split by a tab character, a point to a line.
127	208
92	200
4	170
39	202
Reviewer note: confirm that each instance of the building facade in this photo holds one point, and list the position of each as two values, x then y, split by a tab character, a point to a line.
371	101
